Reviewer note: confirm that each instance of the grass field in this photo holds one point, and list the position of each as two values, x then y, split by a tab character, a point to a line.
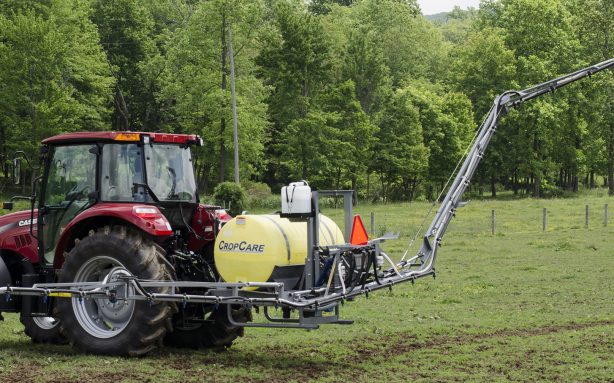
521	305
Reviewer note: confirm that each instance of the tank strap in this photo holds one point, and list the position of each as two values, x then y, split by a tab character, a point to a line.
330	233
283	233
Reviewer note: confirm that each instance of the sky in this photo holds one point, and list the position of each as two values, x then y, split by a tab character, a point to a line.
430	7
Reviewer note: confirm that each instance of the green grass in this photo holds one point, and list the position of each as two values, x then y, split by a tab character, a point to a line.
521	305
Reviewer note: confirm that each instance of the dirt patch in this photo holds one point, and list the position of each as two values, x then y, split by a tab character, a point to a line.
270	364
102	377
279	364
27	372
388	346
31	372
289	366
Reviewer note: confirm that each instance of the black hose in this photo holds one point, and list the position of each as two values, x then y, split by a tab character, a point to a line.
190	229
365	269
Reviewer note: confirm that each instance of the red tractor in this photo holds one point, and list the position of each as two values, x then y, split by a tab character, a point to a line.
109	200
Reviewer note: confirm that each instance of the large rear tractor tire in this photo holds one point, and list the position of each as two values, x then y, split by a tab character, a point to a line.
217	333
43	330
119	327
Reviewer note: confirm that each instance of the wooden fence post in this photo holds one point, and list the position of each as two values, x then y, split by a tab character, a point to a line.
493	221
372	223
545	220
586	216
605	215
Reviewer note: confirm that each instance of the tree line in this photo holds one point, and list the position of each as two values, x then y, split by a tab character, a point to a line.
362	94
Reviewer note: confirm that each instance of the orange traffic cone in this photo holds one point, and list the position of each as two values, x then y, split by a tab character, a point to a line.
359	234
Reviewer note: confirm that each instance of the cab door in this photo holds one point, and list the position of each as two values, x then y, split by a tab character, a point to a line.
69	188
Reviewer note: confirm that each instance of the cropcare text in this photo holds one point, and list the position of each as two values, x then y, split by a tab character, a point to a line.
242	246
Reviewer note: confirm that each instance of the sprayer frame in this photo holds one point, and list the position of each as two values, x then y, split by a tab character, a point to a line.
315	303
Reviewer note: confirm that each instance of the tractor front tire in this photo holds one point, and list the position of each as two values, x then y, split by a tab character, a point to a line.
43	330
122	327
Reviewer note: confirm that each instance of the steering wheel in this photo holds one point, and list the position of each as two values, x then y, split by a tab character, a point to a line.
76	193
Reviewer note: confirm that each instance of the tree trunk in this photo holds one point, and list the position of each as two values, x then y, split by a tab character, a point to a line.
493	186
537	186
234	106
222	175
414	183
611	177
531	184
122	108
611	162
338	178
206	173
592	180
441	191
368	185
3	156
481	185
304	170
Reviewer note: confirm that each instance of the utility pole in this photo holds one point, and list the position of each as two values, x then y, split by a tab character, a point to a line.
234	102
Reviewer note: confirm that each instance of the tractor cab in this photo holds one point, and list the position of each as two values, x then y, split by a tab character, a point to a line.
116	169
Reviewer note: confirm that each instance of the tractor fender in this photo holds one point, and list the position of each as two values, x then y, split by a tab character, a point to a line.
147	218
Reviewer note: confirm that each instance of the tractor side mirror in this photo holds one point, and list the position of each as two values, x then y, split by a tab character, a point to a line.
16	171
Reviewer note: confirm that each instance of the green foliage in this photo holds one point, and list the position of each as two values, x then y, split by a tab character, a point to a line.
456	24
364	64
126	32
362	94
401	158
411	45
515	44
197	84
231	196
447	121
259	196
324	6
295	60
53	74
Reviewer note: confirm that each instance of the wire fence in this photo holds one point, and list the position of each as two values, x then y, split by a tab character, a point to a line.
505	221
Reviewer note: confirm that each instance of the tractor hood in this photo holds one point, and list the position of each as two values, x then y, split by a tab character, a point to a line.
15	220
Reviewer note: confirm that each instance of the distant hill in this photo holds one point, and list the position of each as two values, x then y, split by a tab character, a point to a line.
440	17
457	13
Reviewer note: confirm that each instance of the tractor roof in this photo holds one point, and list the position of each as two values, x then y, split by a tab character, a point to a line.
69	138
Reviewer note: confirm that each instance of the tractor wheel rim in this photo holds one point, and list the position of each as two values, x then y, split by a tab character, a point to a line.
100	317
46	323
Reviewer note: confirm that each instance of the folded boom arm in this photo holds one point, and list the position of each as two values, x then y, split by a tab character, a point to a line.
502	104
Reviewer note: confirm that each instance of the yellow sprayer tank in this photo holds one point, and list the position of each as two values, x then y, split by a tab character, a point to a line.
267	248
